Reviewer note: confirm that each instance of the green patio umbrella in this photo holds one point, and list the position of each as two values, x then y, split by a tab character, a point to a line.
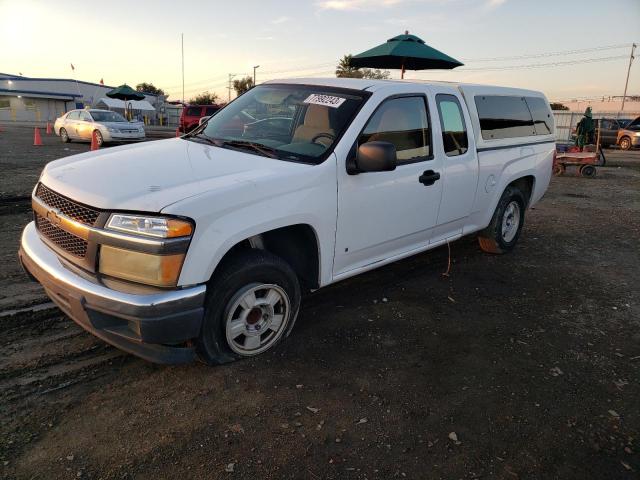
125	92
404	52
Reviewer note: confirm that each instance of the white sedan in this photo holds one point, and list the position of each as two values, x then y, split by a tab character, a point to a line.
109	127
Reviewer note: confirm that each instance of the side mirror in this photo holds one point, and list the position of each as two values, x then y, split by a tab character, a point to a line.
374	156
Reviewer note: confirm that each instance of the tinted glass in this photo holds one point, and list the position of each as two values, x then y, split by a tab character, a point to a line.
403	122
193	111
74	115
504	117
210	111
542	117
454	130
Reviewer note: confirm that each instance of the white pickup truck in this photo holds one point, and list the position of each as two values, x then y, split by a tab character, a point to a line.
202	245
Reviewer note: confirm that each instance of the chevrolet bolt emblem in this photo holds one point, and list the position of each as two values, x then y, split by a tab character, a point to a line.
54	217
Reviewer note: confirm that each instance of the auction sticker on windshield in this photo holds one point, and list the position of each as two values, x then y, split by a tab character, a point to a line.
326	100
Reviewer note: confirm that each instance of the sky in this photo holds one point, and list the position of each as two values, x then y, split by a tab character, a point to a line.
131	42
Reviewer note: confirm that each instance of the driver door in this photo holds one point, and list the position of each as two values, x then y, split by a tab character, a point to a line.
382	215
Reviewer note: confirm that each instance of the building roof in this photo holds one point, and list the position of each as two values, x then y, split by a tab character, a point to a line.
135	104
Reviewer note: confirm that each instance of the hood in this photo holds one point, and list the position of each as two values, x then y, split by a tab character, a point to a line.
151	175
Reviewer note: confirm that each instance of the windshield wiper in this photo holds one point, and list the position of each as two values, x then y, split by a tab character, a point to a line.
258	147
201	136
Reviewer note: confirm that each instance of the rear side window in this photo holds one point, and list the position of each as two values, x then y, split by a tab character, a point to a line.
454	130
402	121
210	111
504	117
74	115
542	118
193	111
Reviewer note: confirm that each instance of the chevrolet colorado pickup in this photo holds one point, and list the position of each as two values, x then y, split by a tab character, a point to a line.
201	246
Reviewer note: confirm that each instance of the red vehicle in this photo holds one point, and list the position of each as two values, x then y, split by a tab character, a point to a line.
191	115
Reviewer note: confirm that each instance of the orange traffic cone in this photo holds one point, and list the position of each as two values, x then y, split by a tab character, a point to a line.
37	141
94	141
178	132
48	128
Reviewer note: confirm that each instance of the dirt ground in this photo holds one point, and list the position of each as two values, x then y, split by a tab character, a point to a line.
523	366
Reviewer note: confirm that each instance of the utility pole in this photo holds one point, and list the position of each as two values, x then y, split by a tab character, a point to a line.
254	74
231	75
626	84
182	44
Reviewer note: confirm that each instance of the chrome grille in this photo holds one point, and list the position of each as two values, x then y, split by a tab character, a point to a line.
66	241
78	212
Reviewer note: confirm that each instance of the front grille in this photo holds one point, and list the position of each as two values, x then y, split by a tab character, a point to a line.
66	241
71	209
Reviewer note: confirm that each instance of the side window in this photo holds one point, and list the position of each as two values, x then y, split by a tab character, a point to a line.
194	111
85	116
504	117
402	121
74	115
454	130
542	117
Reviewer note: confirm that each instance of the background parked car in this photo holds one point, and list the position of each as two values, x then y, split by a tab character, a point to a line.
191	115
109	127
629	136
609	130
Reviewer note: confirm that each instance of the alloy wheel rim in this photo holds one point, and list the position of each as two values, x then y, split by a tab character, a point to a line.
510	221
256	318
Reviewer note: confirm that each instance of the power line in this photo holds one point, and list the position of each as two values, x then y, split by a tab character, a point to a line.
548	54
541	65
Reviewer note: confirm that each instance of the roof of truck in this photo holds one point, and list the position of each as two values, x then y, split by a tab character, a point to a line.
368	84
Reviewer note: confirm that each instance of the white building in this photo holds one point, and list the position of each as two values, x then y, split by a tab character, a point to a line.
45	99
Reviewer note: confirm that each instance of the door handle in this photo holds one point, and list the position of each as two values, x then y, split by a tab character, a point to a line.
429	177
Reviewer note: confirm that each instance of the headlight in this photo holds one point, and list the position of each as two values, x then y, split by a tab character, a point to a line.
157	270
160	227
162	270
637	134
113	130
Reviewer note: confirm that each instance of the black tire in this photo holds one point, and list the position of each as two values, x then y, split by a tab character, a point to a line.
64	136
492	238
625	143
235	275
588	171
99	139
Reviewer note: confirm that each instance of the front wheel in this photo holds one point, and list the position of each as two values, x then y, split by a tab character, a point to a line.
252	303
625	143
506	224
64	136
99	139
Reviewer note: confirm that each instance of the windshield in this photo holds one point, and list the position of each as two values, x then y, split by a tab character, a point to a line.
107	117
289	122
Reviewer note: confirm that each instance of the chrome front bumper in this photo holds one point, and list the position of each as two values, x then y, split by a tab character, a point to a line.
147	325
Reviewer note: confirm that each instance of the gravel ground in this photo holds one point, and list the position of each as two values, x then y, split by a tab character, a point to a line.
518	366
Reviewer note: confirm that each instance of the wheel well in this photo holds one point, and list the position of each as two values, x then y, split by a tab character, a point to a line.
295	244
525	184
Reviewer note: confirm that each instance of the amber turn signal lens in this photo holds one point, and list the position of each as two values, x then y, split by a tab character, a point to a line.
178	228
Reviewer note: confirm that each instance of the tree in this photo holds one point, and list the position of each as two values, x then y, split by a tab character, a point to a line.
149	88
242	85
205	98
345	70
558	106
376	74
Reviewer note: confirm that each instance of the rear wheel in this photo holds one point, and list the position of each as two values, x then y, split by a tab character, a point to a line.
506	224
588	171
252	304
64	136
625	143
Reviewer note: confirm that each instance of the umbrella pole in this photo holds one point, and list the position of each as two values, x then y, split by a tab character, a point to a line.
402	71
